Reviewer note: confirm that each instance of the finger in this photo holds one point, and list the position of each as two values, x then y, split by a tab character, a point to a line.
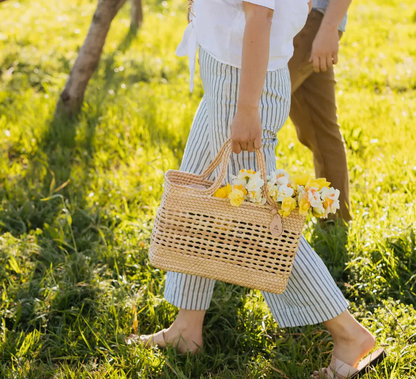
243	145
257	143
250	146
315	62
329	62
322	63
335	58
236	147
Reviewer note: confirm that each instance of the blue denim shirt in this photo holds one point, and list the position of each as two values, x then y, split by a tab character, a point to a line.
321	5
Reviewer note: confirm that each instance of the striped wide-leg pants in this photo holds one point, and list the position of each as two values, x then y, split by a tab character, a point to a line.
311	295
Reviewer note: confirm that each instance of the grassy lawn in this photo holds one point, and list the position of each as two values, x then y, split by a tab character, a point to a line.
77	200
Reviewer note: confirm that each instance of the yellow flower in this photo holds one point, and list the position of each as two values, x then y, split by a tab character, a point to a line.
288	205
236	196
284	214
300	180
317	183
240	187
304	206
307	181
316	213
223	192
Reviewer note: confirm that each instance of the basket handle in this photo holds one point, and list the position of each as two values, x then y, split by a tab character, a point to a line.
222	158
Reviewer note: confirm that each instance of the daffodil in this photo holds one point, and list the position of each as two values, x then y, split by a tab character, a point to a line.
300	180
255	183
330	197
283	192
243	176
317	183
236	196
304	207
273	191
304	204
313	196
223	192
288	205
256	197
319	211
278	177
239	187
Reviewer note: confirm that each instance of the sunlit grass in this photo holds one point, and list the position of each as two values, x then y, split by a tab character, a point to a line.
74	268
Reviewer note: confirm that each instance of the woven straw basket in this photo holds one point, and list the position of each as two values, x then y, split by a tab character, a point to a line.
198	234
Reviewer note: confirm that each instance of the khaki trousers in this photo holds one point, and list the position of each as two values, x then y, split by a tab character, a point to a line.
314	113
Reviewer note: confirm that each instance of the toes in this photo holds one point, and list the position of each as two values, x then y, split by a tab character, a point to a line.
144	340
132	339
318	374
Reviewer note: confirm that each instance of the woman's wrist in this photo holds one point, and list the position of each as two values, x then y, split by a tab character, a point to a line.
246	107
329	26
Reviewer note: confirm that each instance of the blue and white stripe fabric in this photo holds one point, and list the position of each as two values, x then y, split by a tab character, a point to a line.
311	296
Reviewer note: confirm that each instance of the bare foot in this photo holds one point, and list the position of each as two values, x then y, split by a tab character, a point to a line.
185	334
185	341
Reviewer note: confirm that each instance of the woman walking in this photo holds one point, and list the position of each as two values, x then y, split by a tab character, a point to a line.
244	48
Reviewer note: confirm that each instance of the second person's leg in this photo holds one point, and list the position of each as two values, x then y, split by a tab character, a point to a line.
314	113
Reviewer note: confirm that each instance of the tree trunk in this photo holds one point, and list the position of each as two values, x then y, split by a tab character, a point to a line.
136	14
73	94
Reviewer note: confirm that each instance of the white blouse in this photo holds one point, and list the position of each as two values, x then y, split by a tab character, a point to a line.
218	27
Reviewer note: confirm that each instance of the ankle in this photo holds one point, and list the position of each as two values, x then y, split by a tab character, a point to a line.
356	336
189	321
185	329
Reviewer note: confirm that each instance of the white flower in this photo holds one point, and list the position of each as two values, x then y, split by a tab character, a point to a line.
280	177
284	191
301	193
255	183
330	197
245	175
273	191
301	190
237	182
314	198
255	197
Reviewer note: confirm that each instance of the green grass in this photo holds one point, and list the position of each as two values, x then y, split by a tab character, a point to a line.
74	267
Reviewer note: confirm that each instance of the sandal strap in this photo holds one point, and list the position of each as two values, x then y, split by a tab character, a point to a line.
340	369
328	373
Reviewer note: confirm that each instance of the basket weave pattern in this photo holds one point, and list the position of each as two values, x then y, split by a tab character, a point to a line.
198	234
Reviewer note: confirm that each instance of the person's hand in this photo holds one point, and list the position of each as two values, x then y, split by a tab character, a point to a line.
310	5
325	48
246	130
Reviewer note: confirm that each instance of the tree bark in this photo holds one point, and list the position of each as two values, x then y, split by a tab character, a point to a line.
71	98
136	14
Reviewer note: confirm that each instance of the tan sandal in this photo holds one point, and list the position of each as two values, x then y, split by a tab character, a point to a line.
148	341
340	370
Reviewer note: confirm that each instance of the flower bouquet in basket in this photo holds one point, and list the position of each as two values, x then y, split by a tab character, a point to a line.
301	192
